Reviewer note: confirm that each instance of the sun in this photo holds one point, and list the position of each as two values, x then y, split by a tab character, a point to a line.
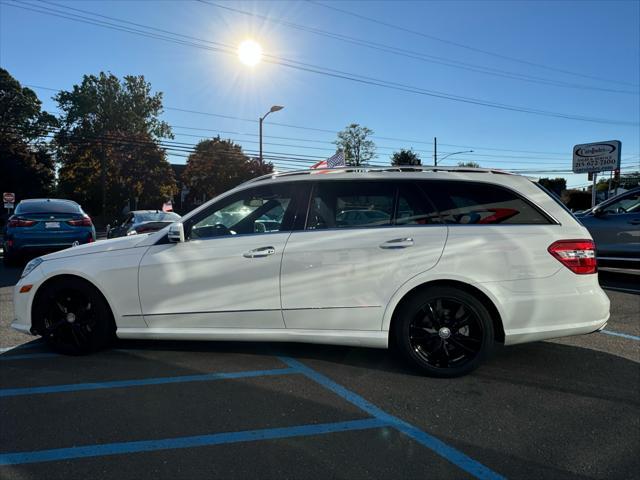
250	53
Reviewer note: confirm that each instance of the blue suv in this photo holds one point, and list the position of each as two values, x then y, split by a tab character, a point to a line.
45	225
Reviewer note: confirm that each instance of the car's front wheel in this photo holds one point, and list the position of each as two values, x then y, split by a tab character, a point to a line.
73	317
444	331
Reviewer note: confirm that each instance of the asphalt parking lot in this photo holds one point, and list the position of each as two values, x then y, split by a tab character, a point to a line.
566	408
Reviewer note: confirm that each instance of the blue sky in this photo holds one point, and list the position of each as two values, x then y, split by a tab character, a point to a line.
588	38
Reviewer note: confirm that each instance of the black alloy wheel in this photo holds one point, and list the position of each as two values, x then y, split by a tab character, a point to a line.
445	331
73	317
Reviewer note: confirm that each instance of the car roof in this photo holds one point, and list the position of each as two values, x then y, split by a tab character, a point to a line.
369	173
144	212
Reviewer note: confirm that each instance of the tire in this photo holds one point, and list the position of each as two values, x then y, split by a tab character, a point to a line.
73	317
444	331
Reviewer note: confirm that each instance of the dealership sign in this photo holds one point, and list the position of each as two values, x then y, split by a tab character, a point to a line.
596	157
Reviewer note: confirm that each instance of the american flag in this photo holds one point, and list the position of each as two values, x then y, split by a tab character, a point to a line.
334	161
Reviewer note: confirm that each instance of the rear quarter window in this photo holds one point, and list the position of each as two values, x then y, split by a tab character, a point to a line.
477	203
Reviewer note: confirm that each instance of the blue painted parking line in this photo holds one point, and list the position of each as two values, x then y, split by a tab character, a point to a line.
186	442
380	419
623	335
206	377
448	452
27	356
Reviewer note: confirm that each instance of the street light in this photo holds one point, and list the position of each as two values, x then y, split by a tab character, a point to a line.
450	154
275	108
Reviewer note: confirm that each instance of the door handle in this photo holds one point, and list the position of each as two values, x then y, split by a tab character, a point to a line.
397	243
635	221
259	252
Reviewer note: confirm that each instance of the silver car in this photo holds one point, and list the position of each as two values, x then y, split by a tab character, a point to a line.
615	226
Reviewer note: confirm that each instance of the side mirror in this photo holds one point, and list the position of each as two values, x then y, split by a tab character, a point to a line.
176	233
598	212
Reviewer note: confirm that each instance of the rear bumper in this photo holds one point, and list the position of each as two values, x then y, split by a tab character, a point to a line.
562	305
30	245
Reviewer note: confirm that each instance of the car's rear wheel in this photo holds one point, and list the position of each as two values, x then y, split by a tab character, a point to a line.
444	331
73	317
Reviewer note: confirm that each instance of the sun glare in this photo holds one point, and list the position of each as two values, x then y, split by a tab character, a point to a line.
250	53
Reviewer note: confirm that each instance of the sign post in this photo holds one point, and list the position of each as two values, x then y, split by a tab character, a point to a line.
9	199
597	157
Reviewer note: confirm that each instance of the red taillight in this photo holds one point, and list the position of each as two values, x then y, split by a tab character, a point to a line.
579	256
81	222
21	222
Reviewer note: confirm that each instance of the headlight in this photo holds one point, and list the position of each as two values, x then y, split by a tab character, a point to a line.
31	266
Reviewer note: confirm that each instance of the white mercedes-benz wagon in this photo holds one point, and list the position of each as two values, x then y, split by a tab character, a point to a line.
440	263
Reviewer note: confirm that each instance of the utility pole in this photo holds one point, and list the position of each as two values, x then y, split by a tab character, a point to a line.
435	152
103	181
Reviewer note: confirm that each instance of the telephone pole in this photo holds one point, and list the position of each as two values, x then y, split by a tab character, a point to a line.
435	152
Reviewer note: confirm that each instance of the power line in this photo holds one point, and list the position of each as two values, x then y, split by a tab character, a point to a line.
325	71
409	141
173	148
419	55
469	47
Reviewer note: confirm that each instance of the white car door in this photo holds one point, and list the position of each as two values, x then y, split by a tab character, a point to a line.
226	273
341	271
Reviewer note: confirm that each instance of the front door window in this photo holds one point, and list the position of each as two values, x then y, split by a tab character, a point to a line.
257	210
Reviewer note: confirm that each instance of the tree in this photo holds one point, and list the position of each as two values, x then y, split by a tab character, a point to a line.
469	164
355	143
137	176
27	166
405	157
108	144
626	180
576	200
218	165
556	185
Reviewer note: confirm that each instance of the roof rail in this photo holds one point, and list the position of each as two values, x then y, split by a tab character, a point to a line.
364	169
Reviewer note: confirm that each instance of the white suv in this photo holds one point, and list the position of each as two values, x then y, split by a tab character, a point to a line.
441	263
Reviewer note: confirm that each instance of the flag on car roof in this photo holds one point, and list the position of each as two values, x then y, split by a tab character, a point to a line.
334	161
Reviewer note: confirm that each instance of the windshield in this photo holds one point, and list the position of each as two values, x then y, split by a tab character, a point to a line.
47	206
157	217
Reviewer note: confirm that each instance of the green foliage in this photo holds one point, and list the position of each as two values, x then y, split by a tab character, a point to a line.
576	200
355	143
26	164
626	180
405	157
469	164
113	123
556	185
137	174
218	165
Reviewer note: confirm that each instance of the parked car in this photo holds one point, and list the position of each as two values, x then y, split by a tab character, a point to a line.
43	225
441	281
142	221
615	227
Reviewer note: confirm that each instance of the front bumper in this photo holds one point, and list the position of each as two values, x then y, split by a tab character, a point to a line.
22	302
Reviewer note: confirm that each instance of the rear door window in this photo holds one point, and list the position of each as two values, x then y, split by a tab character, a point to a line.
414	208
345	204
477	203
